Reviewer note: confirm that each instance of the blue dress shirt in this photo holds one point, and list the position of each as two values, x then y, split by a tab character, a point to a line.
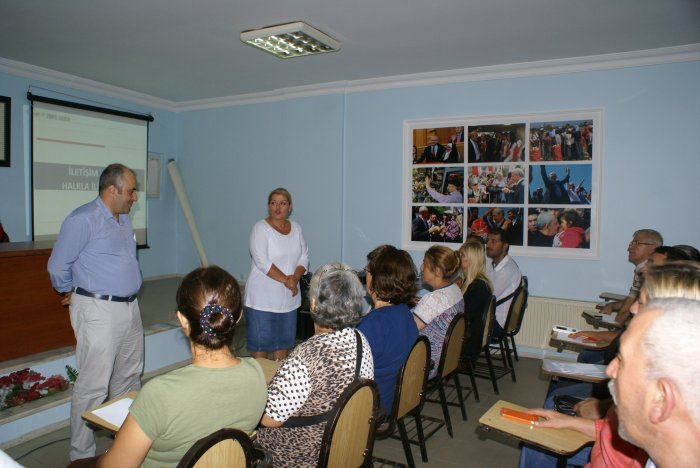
95	251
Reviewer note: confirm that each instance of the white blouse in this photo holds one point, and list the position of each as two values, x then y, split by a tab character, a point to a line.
268	247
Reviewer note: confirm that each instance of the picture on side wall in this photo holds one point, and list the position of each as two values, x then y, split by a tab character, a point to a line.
570	140
496	184
496	143
568	228
438	145
442	224
536	176
560	184
510	219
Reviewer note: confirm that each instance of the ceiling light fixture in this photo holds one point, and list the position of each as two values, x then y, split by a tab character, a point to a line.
290	40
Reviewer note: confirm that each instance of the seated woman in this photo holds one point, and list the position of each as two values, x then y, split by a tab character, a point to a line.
477	292
389	327
436	309
217	390
310	380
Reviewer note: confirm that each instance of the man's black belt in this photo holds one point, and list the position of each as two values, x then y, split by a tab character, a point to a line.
105	297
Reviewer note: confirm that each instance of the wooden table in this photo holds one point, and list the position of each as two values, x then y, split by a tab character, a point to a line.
599	322
561	442
559	341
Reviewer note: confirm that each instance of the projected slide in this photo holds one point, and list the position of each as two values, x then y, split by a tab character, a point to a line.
70	148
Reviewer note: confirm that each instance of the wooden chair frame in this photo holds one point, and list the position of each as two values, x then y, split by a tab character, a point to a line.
448	368
409	397
202	449
348	439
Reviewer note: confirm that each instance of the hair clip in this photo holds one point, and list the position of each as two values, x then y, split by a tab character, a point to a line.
205	317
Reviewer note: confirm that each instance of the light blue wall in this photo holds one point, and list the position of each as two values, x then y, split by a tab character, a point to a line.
231	158
341	156
15	184
650	118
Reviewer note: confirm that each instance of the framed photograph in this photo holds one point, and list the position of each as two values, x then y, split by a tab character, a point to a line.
4	131
537	176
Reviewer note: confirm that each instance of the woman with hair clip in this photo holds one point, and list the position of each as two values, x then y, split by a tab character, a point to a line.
217	390
437	308
308	383
477	292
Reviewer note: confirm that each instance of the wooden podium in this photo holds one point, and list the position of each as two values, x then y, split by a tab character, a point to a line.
31	317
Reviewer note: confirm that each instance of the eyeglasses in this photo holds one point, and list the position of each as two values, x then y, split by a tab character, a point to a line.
636	242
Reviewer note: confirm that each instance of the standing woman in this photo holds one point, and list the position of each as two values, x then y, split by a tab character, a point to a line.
436	309
279	259
476	290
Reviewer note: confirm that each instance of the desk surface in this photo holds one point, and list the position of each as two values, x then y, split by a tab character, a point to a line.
558	441
574	370
592	318
269	368
560	340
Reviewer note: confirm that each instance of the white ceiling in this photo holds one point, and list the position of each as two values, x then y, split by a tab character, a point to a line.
185	50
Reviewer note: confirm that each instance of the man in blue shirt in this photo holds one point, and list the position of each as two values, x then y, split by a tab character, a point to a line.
94	267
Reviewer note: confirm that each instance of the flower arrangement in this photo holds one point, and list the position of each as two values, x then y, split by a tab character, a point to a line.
27	385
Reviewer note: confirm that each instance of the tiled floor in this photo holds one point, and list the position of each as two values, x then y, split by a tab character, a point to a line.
470	447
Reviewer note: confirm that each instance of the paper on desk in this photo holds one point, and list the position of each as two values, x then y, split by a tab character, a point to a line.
564	336
608	318
116	412
574	368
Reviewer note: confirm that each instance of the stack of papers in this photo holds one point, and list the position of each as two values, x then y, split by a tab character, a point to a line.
115	413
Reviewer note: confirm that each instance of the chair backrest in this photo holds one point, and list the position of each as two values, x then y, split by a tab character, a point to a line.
349	435
516	312
225	447
452	347
411	381
489	317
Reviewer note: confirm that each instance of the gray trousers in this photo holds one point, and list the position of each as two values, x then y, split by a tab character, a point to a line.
109	353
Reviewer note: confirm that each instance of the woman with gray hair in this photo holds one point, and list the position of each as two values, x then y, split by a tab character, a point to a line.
308	383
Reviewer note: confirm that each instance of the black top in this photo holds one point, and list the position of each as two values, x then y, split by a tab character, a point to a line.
476	299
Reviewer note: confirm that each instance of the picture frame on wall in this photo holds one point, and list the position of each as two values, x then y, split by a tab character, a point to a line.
5	131
537	176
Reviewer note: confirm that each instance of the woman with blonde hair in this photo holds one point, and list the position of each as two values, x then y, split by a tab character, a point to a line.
437	308
280	258
477	292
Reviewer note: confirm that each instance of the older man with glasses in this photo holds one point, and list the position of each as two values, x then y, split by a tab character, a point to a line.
639	249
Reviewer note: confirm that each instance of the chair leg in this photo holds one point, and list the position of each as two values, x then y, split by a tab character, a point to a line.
515	348
460	397
421	437
510	361
473	381
406	444
491	371
445	409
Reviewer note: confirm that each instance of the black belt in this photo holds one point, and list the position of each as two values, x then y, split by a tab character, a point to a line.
105	297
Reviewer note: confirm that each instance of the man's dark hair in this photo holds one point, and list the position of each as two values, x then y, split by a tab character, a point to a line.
501	233
113	175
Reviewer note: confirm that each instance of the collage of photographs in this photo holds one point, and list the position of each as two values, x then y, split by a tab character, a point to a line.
534	179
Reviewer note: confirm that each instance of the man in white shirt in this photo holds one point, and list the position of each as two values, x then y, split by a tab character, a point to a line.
504	274
654	382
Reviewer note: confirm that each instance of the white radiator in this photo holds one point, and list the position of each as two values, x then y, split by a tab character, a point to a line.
541	315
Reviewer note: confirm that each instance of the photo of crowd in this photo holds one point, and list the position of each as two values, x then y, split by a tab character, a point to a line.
437	224
533	178
561	141
560	184
496	143
556	227
438	185
496	184
438	145
510	219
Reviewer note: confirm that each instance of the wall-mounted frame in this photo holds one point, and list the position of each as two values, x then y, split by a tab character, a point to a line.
5	131
537	175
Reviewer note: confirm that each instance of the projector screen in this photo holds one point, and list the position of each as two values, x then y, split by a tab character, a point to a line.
71	145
